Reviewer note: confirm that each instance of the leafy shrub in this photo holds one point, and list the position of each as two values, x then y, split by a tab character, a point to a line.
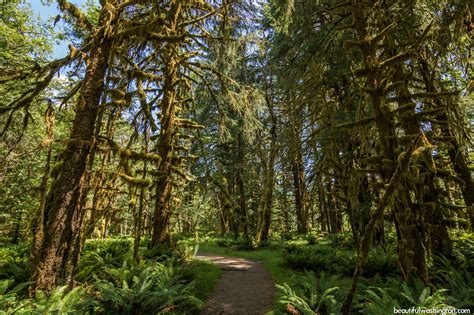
16	271
186	250
311	238
14	263
117	247
8	298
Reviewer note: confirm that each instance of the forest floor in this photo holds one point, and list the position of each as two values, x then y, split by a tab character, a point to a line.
246	287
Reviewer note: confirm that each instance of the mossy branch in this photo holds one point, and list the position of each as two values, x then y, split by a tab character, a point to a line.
188	123
74	12
130	154
135	181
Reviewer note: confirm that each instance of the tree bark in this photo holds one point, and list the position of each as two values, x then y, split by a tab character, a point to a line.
168	128
455	151
63	213
300	192
164	184
38	227
243	220
269	183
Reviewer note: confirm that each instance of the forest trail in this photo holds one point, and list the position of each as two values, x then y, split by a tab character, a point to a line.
246	287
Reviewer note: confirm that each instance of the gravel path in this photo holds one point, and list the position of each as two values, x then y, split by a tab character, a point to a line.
245	288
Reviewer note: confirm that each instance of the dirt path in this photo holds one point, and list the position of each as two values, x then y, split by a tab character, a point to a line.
245	287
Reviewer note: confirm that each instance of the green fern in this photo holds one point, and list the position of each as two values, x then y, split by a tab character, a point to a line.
145	289
60	301
310	296
458	281
377	300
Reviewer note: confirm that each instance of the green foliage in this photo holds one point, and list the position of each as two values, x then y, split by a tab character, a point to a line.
115	246
14	263
340	240
16	271
457	279
321	257
240	243
59	301
109	282
464	249
338	260
145	289
395	293
311	295
380	262
17	23
14	252
158	253
205	276
8	298
101	254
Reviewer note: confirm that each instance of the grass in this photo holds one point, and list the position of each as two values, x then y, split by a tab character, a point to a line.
205	275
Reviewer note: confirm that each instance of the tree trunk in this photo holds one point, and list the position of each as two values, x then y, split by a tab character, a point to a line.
300	193
269	183
243	220
455	151
63	212
334	214
38	227
164	184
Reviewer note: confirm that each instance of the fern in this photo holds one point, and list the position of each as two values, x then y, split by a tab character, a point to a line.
458	281
310	297
376	300
76	301
145	289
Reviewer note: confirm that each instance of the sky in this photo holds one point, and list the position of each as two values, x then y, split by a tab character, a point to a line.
48	11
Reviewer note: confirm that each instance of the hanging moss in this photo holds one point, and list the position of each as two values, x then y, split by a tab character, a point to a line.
130	154
73	11
188	123
135	181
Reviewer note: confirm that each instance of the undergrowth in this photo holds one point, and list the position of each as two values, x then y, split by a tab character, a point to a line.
110	282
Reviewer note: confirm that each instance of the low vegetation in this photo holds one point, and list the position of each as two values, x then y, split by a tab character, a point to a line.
313	275
109	281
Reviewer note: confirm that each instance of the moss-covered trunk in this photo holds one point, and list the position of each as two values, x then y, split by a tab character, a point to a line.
168	129
63	213
269	183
